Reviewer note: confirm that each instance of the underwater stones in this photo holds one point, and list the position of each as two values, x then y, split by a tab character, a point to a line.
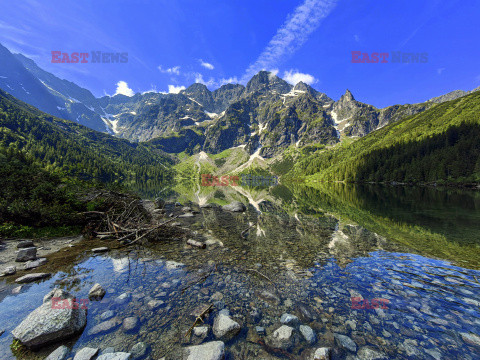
289	319
105	326
323	353
308	333
86	353
130	323
59	354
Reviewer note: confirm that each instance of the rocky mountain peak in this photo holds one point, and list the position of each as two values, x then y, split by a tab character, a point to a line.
267	81
348	96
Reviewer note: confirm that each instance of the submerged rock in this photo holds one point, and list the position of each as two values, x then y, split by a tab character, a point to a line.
322	354
345	342
225	328
235	206
97	292
105	326
366	353
47	324
59	354
308	333
289	319
282	338
214	350
130	323
86	354
139	350
471	339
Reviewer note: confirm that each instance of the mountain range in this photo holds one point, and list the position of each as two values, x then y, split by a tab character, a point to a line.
265	117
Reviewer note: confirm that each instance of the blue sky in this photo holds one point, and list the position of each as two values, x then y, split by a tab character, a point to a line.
171	44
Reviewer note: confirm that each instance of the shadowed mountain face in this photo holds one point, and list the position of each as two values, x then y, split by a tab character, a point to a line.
265	117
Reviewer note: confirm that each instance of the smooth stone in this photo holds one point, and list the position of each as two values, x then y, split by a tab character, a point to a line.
308	333
214	350
46	324
123	298
235	206
130	323
114	356
289	319
31	277
26	254
322	354
471	339
105	326
107	315
282	338
100	250
200	331
86	353
32	264
345	342
138	350
9	270
366	353
25	244
225	328
97	292
59	354
154	304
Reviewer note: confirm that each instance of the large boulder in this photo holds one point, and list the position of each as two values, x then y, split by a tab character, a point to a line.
235	206
225	328
25	244
214	350
26	254
48	324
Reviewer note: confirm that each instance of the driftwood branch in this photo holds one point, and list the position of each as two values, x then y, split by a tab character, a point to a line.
199	319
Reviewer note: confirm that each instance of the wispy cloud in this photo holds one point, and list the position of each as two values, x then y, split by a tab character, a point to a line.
206	65
172	71
122	88
209	83
440	71
356	37
294	77
304	20
172	89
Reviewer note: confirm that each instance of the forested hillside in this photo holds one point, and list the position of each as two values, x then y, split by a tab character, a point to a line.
64	147
441	144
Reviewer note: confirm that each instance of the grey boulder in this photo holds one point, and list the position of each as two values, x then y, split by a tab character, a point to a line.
26	254
86	354
31	277
32	264
282	338
46	324
225	328
345	342
97	292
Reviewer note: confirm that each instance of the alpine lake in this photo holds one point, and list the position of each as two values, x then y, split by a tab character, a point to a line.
374	271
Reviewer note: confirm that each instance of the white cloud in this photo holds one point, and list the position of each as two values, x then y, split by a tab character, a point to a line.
199	79
206	65
440	71
356	37
305	19
293	77
122	88
173	70
172	89
231	80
